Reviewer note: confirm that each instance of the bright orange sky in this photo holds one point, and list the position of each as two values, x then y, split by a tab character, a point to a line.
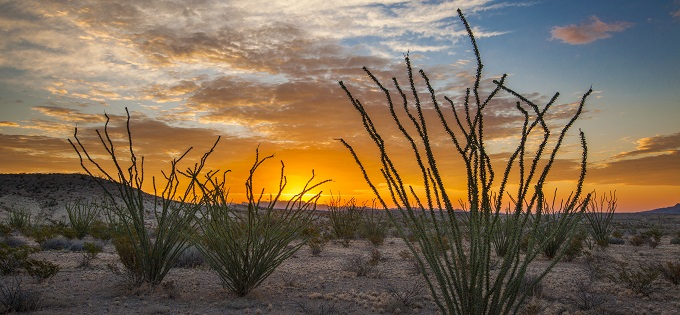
266	73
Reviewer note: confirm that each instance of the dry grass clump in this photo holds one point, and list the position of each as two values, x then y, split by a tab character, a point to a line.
14	297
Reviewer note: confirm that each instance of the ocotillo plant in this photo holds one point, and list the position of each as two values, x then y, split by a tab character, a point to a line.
466	278
245	247
147	255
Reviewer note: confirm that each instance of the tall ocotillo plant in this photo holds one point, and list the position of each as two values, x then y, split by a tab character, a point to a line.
462	280
147	258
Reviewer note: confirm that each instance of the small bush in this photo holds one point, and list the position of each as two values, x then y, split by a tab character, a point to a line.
344	218
599	215
13	258
100	230
41	270
19	219
90	253
15	298
360	265
675	240
637	240
616	241
671	272
190	258
640	281
55	243
653	236
316	245
81	215
373	226
408	297
574	247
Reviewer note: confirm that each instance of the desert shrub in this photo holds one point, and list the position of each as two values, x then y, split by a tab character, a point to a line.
13	241
586	298
671	272
406	297
344	218
675	240
502	233
550	231
148	254
55	243
373	226
316	245
616	241
100	230
16	298
13	258
19	219
245	247
81	215
641	280
461	280
41	270
653	236
575	247
599	215
190	258
361	265
91	251
5	230
638	240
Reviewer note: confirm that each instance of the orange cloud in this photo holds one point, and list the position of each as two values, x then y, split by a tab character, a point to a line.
587	32
654	145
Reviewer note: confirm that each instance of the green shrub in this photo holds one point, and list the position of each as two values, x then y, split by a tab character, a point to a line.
41	269
148	255
653	236
91	250
190	258
16	298
13	258
466	279
599	215
575	247
641	281
100	230
245	247
671	272
81	215
675	240
373	226
638	240
19	219
616	241
344	218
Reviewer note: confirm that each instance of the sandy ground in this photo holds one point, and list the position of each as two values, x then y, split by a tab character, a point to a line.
307	284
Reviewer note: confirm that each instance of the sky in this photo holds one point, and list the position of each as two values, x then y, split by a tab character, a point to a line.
264	75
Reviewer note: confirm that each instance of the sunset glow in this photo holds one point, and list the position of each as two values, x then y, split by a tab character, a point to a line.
265	74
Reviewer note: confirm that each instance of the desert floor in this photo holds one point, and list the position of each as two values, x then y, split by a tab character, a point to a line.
324	284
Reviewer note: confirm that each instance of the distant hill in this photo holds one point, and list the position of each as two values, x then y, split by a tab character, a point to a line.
45	195
668	210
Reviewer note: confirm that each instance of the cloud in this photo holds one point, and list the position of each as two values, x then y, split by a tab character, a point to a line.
663	169
662	144
587	32
8	124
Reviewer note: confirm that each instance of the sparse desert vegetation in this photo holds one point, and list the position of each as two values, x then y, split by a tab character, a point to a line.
190	250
